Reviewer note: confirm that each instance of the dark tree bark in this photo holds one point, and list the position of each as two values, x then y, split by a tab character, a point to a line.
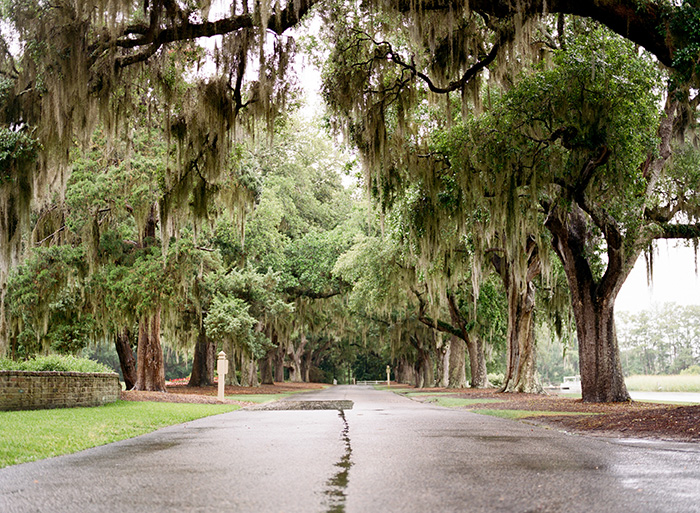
405	372
127	362
457	376
249	371
295	354
267	368
474	346
593	304
279	363
203	364
150	369
232	374
521	353
425	376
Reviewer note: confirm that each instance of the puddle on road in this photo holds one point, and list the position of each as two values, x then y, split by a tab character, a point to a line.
337	485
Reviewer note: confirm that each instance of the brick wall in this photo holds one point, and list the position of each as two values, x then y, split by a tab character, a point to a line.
27	390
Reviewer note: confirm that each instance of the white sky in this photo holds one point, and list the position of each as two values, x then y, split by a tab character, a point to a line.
674	280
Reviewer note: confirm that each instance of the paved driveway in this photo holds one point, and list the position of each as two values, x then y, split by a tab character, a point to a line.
386	454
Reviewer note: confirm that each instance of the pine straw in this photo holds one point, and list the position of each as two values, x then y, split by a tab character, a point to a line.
629	419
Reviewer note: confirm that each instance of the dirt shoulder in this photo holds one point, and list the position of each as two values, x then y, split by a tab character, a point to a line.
629	420
208	395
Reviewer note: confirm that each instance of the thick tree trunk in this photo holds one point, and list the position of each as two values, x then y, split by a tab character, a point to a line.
150	369
602	380
458	363
444	364
593	303
279	365
474	346
127	362
521	368
267	368
295	355
203	362
306	362
521	352
424	370
231	376
405	372
477	363
249	371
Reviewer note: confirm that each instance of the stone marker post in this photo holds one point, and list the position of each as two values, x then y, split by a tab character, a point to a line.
388	376
222	370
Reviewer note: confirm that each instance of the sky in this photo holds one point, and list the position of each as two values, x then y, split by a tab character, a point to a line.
674	280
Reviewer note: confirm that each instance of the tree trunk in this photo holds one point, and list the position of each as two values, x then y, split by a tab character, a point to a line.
458	363
267	368
279	365
444	364
593	304
405	372
521	369
295	354
306	362
602	380
477	363
474	347
203	362
249	371
521	353
127	362
150	369
231	378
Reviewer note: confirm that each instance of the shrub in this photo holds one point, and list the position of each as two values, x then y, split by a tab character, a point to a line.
496	379
693	370
55	363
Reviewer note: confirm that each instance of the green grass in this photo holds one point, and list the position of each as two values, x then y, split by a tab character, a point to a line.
259	398
455	402
38	434
444	399
521	414
675	383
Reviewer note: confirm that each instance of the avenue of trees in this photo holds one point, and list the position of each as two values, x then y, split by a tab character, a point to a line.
518	158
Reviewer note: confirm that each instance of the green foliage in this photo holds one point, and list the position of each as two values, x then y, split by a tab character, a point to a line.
44	302
54	362
664	340
693	370
17	149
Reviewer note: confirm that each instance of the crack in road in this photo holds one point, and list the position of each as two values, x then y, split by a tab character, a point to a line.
337	485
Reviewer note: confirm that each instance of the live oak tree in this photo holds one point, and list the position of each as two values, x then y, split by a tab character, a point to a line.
587	142
84	62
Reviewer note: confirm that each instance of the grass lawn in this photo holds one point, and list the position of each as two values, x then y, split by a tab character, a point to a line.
258	398
673	383
521	414
38	434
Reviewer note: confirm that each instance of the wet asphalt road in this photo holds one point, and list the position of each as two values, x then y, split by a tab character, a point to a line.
386	454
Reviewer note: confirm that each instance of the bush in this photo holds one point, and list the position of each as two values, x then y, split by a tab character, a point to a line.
693	370
496	379
55	363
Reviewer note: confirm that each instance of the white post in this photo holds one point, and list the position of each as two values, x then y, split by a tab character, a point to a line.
388	376
222	370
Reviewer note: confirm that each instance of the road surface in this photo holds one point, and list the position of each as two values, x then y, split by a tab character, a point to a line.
386	454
